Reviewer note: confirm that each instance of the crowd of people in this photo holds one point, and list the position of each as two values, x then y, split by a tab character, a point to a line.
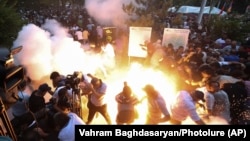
211	74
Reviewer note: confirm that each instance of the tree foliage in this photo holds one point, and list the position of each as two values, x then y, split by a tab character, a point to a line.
36	4
236	28
153	13
148	13
10	23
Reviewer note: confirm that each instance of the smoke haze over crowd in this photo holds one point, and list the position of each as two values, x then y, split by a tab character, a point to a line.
107	12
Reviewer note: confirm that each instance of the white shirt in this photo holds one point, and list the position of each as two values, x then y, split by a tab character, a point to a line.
68	132
21	107
220	41
98	99
55	95
184	107
79	35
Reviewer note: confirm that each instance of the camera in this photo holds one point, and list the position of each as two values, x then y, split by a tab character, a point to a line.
72	80
11	75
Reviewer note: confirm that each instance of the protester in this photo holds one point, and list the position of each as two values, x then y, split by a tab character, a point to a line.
157	108
127	111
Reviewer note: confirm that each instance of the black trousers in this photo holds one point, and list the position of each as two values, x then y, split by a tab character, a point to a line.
94	109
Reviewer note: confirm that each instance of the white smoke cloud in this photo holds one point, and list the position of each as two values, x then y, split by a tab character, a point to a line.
107	12
35	53
47	49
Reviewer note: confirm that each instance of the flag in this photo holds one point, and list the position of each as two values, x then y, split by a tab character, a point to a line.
230	7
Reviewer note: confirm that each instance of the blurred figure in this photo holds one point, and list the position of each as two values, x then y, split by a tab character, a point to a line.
157	109
57	79
58	82
64	94
148	45
208	73
37	103
108	59
217	102
157	56
127	112
31	130
79	36
99	31
184	106
21	106
85	35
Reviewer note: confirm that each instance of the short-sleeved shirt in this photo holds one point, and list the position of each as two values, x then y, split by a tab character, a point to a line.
98	99
68	132
21	106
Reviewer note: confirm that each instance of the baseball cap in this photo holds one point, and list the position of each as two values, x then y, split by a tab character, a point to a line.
44	87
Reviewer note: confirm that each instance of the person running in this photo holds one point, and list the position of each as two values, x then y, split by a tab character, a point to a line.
157	109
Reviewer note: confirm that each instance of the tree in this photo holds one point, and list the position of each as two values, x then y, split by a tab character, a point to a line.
10	22
148	13
236	28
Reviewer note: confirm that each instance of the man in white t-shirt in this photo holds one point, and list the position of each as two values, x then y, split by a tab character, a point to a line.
65	121
79	36
184	106
96	100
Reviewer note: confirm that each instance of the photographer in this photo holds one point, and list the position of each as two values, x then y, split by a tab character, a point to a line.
57	79
67	86
58	82
64	94
96	102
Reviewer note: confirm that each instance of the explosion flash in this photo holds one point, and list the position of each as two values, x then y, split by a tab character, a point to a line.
43	53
